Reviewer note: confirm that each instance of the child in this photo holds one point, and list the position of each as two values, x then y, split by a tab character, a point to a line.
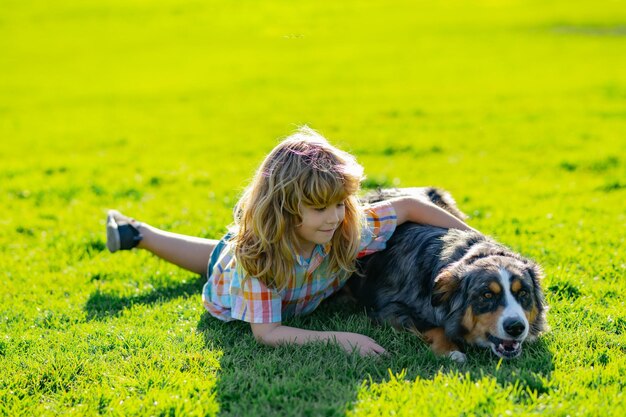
298	229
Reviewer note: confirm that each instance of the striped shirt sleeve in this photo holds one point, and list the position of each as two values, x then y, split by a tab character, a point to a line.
381	222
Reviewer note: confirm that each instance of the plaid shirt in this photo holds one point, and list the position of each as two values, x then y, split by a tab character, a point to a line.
226	297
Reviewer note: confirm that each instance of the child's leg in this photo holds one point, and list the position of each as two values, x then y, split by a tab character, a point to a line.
188	252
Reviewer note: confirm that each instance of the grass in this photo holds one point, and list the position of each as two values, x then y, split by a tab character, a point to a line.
163	109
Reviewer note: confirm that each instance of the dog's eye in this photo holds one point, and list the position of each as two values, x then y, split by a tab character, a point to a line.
522	293
488	295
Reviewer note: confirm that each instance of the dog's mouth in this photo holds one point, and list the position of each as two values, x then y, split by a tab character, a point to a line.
507	349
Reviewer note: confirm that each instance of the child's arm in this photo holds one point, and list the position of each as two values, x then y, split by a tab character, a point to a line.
274	334
412	209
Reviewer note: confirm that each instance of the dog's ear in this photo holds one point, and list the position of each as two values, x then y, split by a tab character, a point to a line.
444	286
536	275
534	270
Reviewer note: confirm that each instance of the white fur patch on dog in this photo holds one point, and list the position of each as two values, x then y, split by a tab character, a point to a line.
512	309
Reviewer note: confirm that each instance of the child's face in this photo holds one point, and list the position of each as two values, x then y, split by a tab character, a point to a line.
318	225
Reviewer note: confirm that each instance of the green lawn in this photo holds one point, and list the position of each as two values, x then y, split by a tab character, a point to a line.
163	109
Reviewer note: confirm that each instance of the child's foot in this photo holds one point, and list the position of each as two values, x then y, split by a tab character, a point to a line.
122	232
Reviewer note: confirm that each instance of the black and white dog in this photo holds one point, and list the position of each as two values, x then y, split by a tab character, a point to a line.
451	287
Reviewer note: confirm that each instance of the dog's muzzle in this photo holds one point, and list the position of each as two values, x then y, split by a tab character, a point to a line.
507	349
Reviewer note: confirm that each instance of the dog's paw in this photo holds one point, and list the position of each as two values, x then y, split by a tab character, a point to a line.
458	357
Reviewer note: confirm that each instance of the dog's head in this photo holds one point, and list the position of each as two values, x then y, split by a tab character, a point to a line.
494	301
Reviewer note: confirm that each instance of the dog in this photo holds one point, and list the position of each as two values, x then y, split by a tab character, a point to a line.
453	288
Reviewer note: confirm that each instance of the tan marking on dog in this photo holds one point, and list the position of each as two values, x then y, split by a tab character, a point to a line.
469	320
531	315
495	287
445	285
483	324
516	286
439	342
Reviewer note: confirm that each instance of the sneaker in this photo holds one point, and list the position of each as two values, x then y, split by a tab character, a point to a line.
122	232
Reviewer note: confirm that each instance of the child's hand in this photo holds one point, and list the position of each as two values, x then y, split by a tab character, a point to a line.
274	334
361	343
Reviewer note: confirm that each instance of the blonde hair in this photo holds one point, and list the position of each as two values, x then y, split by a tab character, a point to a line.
303	169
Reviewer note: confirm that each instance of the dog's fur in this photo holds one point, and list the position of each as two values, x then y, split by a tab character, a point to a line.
451	287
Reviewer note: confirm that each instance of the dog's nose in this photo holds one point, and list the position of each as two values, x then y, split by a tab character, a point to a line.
514	327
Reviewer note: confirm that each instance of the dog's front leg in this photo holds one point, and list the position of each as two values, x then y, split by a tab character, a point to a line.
441	345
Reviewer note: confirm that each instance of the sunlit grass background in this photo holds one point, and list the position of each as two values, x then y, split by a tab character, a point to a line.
163	109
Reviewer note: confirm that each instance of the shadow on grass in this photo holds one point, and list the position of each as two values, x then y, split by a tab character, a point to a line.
260	380
319	378
102	305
